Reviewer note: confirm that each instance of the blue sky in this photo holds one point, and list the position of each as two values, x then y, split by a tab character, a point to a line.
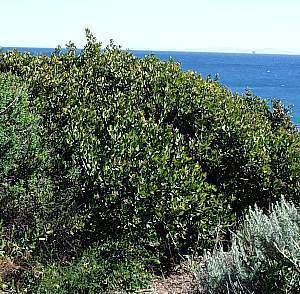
267	26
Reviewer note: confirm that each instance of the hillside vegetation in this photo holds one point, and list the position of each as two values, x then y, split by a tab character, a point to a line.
114	167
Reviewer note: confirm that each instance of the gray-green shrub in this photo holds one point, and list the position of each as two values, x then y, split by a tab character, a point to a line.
264	256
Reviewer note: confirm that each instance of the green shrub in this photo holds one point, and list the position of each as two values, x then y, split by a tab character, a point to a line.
21	158
22	186
116	153
264	256
135	149
112	266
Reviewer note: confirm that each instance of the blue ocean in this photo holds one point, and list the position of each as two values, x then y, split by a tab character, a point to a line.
266	75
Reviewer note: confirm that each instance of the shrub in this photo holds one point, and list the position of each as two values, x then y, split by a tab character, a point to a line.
112	266
264	256
21	158
135	149
116	153
22	184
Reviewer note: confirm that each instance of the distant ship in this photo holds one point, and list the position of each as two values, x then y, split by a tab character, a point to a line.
253	52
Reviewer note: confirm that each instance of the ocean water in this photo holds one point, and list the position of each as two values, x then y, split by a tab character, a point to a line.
266	75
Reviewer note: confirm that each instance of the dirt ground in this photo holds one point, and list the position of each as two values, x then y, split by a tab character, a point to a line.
180	281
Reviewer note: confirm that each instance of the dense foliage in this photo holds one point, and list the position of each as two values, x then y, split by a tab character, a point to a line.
264	256
23	189
101	147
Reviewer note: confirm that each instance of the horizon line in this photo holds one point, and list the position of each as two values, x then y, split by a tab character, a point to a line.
204	50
